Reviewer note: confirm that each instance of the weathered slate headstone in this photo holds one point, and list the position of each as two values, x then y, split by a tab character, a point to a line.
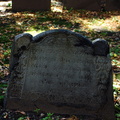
34	5
92	4
81	4
60	71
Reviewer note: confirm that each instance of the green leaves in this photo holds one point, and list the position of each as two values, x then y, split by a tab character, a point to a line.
116	49
22	118
3	88
37	111
48	117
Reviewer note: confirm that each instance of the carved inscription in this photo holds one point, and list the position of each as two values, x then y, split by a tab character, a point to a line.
59	74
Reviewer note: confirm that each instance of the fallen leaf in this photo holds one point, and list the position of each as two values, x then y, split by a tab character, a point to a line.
72	118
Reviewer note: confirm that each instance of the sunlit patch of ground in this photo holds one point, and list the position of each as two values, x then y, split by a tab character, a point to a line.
4	6
108	24
57	9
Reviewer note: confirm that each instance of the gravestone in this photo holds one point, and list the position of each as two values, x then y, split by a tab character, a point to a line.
60	71
81	4
92	4
34	5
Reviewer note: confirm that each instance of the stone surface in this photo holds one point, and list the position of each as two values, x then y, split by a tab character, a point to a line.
60	71
91	4
34	5
25	5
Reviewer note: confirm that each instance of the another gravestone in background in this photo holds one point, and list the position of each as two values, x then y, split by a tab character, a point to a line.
25	5
92	4
60	71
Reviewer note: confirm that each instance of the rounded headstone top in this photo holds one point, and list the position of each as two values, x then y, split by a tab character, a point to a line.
100	47
82	41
